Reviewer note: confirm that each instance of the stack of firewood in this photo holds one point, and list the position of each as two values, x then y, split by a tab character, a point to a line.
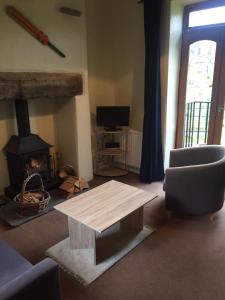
71	184
33	197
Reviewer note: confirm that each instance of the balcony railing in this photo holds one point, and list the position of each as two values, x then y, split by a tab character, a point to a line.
196	123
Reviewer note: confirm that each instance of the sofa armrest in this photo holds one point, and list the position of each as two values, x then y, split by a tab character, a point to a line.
39	282
195	155
194	176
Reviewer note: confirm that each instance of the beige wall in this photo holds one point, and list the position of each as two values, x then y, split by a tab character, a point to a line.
21	52
128	58
100	52
116	55
6	129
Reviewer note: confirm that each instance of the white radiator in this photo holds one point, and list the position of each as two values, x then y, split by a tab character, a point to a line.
134	147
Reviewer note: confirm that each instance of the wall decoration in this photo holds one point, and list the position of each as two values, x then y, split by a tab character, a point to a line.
20	19
70	11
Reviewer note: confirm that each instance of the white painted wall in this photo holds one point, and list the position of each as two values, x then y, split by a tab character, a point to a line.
173	65
21	52
165	29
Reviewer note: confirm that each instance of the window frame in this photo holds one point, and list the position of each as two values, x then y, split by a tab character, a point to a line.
201	6
189	35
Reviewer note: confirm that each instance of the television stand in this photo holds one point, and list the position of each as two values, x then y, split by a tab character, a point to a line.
111	161
112	129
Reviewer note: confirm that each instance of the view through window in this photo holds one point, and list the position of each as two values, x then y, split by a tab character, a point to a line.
199	91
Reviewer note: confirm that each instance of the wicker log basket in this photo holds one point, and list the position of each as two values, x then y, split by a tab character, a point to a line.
31	202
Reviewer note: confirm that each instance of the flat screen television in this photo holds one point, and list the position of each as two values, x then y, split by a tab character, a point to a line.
111	117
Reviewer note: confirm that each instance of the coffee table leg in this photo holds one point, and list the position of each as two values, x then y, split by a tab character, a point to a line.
133	220
81	236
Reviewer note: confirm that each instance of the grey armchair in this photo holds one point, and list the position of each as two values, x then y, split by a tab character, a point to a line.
195	180
20	280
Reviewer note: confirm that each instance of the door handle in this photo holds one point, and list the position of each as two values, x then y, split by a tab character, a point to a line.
220	109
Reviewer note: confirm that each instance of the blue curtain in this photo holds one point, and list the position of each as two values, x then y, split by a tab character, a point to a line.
152	157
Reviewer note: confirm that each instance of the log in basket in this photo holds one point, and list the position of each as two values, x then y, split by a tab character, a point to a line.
31	202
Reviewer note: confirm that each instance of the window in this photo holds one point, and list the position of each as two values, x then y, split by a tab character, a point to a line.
208	16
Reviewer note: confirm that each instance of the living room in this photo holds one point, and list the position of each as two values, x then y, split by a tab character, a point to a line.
67	231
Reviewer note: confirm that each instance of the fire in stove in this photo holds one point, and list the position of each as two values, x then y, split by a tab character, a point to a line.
36	164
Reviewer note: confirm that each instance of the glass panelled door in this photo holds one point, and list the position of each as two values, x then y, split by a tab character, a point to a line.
200	89
222	140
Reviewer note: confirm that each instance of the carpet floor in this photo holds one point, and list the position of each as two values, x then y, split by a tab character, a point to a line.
183	260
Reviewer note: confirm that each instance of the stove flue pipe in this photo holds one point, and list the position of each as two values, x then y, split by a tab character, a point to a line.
22	117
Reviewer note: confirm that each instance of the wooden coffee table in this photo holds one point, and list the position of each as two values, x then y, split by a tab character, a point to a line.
95	211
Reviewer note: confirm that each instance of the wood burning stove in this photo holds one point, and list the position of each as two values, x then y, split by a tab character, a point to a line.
27	153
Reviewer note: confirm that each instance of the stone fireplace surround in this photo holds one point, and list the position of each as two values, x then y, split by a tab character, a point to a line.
39	85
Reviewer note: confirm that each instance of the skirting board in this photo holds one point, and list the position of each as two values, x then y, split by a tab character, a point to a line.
79	263
128	168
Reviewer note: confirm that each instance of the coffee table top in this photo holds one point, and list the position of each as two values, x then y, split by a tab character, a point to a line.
105	205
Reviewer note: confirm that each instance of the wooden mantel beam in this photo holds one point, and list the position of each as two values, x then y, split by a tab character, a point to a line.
32	85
